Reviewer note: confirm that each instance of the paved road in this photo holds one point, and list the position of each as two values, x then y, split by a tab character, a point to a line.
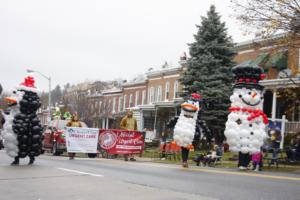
80	179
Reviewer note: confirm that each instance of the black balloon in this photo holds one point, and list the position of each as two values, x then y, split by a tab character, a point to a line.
27	126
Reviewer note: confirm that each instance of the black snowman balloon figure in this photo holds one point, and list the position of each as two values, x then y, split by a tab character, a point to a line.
26	125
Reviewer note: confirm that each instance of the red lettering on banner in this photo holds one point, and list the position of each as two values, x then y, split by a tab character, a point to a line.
121	142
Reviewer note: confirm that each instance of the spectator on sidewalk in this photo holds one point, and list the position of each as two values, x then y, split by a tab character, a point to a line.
74	122
293	152
213	155
128	123
257	161
275	143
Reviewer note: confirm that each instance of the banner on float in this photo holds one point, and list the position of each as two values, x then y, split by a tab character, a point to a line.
121	141
81	140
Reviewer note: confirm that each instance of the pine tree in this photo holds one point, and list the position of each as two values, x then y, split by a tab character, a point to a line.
209	71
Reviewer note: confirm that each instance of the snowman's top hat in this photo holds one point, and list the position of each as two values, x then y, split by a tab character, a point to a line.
28	85
248	76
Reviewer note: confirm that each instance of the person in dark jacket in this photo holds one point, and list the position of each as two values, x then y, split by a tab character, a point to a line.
275	144
293	152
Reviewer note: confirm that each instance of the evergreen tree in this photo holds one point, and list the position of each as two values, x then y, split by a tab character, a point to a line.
209	71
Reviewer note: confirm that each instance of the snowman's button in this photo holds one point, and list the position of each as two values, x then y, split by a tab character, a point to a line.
239	121
250	125
240	96
252	133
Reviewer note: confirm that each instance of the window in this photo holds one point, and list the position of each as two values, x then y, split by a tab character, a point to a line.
137	95
151	95
120	104
109	105
100	106
104	106
131	100
175	89
299	60
124	103
158	93
167	91
143	97
114	105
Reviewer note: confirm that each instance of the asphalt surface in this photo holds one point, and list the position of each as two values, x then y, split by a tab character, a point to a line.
80	179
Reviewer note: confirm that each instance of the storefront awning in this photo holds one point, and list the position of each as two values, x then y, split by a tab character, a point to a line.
261	59
165	104
278	60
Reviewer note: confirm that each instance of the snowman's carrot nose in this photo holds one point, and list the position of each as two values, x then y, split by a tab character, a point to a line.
254	94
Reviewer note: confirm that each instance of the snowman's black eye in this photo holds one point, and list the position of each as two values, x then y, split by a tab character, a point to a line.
240	96
14	92
249	93
261	98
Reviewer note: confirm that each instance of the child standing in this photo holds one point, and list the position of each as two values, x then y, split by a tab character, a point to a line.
257	161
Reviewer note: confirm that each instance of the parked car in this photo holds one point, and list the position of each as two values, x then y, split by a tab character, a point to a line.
54	137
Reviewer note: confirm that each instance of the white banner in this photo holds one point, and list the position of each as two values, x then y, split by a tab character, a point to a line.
81	140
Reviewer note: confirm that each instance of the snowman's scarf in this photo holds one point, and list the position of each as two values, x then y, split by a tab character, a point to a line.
254	113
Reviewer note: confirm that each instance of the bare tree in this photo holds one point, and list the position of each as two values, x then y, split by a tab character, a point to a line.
269	17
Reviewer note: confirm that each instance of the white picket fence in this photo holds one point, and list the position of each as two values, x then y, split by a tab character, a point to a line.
292	127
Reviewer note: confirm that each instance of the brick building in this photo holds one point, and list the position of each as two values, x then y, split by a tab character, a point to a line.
153	97
163	98
281	65
135	96
105	106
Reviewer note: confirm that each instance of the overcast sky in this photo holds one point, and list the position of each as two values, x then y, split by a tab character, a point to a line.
78	40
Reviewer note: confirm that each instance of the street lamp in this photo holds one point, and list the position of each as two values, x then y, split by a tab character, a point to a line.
49	95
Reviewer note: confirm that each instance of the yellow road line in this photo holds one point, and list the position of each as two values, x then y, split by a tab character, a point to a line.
225	172
247	174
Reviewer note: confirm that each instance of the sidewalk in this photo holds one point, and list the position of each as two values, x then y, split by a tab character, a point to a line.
231	165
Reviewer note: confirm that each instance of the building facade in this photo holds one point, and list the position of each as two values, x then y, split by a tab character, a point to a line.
154	98
280	61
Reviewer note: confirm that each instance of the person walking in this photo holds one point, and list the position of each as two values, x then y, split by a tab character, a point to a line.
128	123
74	122
186	125
244	160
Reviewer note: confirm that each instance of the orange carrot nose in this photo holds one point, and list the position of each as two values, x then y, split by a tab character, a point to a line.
10	100
254	94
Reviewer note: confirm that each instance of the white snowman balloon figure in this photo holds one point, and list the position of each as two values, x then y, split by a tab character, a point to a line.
246	125
184	130
10	138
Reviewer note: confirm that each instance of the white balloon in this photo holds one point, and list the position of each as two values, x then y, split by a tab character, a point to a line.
245	150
